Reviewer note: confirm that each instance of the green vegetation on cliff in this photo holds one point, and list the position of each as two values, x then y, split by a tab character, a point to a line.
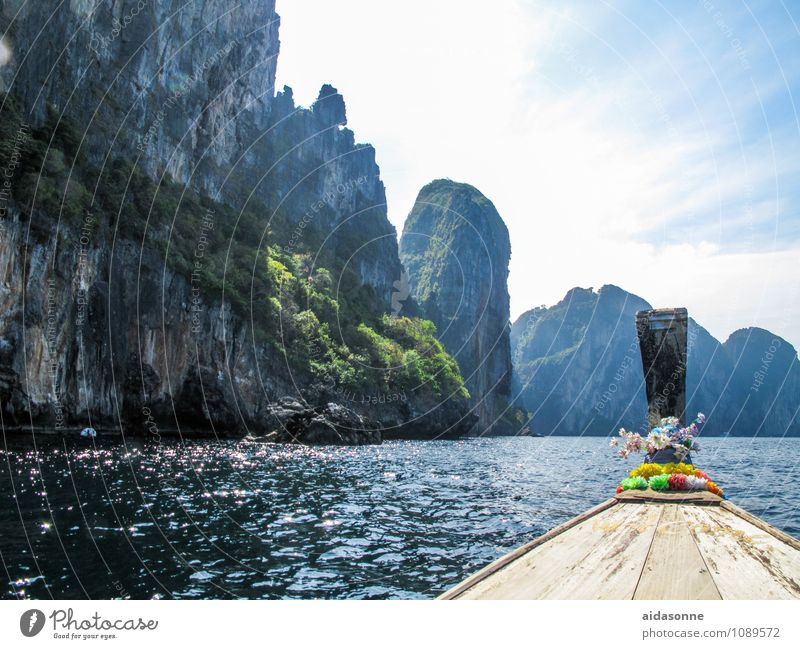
307	304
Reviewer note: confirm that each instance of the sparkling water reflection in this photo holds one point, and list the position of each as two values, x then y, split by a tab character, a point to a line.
240	519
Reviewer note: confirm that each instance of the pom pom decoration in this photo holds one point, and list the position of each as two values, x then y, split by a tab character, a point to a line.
670	482
685	469
646	471
677	482
659	482
633	483
696	484
649	470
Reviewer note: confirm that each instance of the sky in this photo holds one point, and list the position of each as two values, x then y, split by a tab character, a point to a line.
652	145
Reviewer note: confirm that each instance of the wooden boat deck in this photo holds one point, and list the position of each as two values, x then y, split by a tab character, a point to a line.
652	546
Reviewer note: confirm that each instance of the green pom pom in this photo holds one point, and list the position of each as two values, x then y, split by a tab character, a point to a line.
634	483
659	482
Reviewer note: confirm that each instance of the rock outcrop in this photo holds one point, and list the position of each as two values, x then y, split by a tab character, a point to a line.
577	369
330	424
455	249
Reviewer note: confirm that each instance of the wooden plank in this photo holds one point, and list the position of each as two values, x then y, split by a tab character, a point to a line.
506	559
745	561
755	520
650	495
674	568
600	558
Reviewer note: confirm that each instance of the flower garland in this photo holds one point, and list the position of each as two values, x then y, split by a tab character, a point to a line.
669	477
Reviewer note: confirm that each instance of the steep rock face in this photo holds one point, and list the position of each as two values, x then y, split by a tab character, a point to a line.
113	338
455	249
709	388
578	370
309	167
119	340
766	371
181	84
111	320
577	365
187	89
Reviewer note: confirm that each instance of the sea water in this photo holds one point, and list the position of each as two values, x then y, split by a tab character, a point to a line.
87	518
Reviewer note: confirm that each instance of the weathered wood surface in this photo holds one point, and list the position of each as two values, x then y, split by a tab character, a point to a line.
661	548
755	520
600	558
675	569
649	495
524	549
745	561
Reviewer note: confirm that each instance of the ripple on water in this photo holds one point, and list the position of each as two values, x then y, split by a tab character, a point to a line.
237	519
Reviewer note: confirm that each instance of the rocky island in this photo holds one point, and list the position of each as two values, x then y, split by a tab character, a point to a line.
456	250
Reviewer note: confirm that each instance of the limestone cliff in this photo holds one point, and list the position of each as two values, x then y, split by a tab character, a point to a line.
181	246
766	370
577	365
185	87
455	249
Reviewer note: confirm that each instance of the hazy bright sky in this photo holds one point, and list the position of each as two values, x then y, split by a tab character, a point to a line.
652	145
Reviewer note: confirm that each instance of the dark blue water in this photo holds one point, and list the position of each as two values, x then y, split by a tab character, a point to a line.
240	519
